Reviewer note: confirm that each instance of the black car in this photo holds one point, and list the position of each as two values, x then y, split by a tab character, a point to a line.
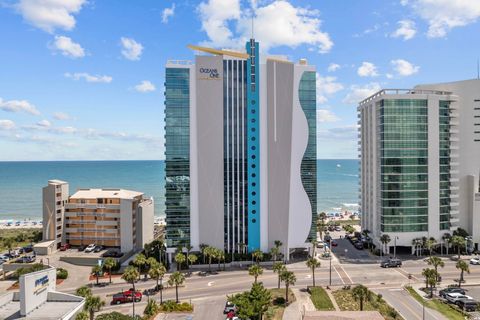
98	248
448	290
82	247
112	253
391	263
467	304
28	248
358	245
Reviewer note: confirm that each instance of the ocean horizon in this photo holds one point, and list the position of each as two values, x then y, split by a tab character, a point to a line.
21	183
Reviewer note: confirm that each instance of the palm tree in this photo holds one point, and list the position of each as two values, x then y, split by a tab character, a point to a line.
92	305
109	264
361	293
278	243
430	279
274	252
385	239
313	263
435	262
210	253
289	278
221	257
176	279
157	272
255	270
202	247
192	258
447	237
8	243
314	247
96	269
83	291
430	243
321	227
130	275
463	266
458	242
278	268
179	259
189	248
140	261
257	255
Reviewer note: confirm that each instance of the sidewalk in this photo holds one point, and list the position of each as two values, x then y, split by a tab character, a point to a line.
302	304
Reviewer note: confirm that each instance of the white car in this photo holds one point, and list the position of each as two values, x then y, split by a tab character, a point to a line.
90	247
454	297
475	260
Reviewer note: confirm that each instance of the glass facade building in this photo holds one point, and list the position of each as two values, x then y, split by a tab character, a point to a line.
177	156
444	128
404	164
307	96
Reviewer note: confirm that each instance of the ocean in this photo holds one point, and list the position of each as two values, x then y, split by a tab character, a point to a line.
21	183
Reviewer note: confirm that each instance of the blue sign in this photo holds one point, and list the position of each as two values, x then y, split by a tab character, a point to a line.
40	284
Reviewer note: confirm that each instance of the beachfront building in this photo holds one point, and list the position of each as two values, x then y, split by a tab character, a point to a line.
55	196
419	171
240	147
109	217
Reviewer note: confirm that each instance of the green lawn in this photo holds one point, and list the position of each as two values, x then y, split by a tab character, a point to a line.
346	302
320	299
275	310
447	310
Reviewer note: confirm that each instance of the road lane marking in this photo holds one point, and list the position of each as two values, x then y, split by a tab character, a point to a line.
346	274
334	268
210	283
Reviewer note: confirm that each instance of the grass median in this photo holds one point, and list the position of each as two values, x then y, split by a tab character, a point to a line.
320	299
447	310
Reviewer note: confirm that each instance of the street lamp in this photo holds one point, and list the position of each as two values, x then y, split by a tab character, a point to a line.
331	250
395	246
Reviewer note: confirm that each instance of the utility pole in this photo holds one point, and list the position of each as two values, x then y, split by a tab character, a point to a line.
330	262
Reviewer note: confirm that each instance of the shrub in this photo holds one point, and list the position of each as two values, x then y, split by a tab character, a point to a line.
33	268
113	316
62	273
279	301
172	306
151	309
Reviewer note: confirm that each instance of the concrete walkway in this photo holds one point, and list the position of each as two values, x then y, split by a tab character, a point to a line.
334	302
303	303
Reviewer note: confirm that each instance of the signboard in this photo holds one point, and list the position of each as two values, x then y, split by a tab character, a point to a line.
40	284
208	73
34	288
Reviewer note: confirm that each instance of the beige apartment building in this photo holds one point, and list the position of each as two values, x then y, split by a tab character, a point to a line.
109	217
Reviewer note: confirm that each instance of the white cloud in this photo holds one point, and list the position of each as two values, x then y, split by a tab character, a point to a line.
277	23
358	93
444	15
50	14
7	124
131	49
389	76
145	86
18	106
89	78
367	69
61	116
348	132
64	130
44	124
326	86
332	67
406	30
67	47
324	115
167	13
404	68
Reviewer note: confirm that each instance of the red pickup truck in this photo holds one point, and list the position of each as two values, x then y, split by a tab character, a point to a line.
124	297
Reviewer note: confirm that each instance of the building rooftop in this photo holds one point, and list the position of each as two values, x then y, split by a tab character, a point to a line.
56	182
56	307
403	91
105	193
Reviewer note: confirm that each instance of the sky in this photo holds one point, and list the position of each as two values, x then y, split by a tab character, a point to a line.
83	79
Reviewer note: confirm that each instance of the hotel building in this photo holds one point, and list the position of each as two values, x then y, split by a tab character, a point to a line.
419	155
109	217
240	146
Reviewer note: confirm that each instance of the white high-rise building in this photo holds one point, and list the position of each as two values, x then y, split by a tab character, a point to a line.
240	146
420	162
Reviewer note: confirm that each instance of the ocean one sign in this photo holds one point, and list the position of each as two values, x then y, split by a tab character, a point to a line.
212	73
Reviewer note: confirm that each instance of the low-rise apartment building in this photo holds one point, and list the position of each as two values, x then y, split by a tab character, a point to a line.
109	217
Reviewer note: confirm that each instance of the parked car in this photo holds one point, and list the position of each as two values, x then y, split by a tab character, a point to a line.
455	297
26	259
90	247
467	304
130	292
334	243
448	290
113	253
391	263
338	228
358	245
475	260
28	248
4	258
65	247
123	298
229	307
98	248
